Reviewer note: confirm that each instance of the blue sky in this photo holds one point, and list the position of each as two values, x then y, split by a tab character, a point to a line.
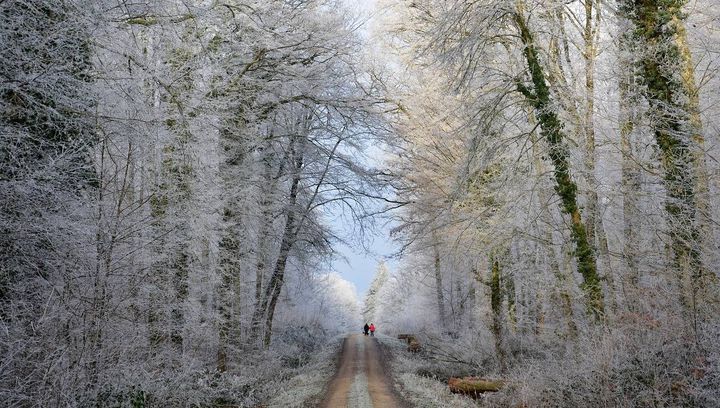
359	266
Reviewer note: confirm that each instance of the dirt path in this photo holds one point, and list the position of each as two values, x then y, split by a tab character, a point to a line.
361	381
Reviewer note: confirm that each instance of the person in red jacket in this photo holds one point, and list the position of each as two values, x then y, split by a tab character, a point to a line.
372	329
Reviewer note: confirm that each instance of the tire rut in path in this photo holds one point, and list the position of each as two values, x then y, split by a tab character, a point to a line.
361	381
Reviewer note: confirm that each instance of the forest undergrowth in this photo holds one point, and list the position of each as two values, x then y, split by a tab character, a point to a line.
293	373
629	366
558	161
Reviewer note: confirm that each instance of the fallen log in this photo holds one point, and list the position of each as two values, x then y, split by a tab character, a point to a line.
474	386
408	337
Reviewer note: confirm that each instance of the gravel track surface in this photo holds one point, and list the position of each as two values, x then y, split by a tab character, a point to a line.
361	380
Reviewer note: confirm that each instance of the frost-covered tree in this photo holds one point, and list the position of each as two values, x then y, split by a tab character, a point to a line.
167	169
376	293
665	69
553	155
47	185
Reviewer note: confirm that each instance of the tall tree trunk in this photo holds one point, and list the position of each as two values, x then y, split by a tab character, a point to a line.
224	303
551	130
698	139
496	305
589	54
268	189
438	280
272	293
656	27
511	301
707	284
229	292
265	310
594	222
554	264
631	186
265	225
232	253
181	289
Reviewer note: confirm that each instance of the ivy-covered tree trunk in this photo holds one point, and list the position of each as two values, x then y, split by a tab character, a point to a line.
538	95
657	26
563	292
496	297
509	283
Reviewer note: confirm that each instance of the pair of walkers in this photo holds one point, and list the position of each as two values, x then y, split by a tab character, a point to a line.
370	329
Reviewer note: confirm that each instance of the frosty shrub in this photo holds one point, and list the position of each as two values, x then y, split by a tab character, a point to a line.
626	367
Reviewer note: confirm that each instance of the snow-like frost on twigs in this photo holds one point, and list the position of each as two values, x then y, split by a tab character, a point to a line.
306	387
421	392
424	392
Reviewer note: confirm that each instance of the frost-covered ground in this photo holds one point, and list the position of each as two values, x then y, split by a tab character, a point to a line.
420	391
306	386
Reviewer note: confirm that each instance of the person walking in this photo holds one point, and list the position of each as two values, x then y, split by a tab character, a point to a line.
372	329
366	329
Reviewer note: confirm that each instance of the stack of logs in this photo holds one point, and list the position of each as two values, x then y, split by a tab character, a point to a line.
413	343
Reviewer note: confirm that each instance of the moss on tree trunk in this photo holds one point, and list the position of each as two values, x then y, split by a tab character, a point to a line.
658	24
496	305
552	130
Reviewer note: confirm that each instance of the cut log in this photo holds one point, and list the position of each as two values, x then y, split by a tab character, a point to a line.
414	346
408	337
474	386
